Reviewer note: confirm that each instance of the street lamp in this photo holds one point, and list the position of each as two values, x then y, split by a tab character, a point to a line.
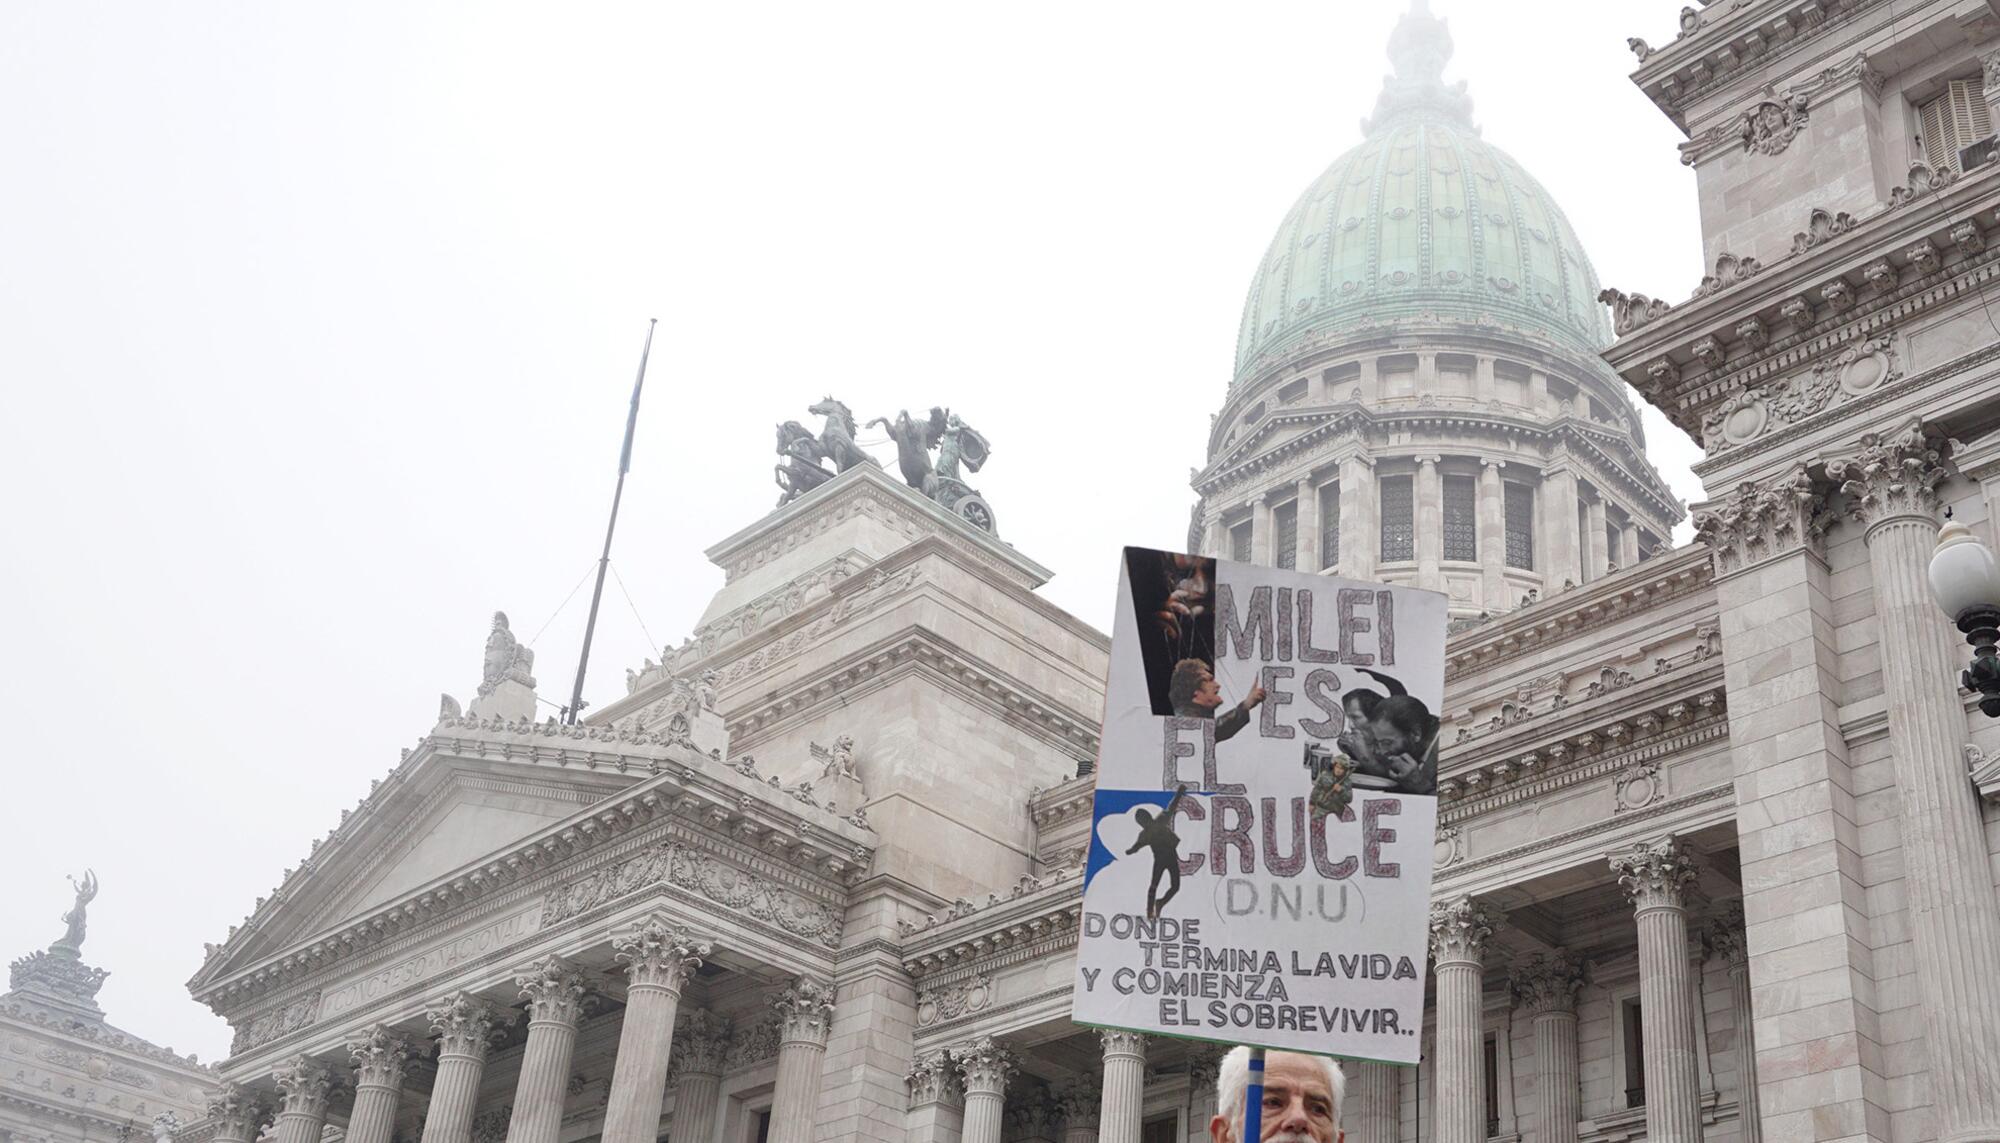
1965	578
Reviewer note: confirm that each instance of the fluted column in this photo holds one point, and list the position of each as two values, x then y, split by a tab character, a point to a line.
1724	938
303	1086
1596	541
236	1114
937	1100
1429	520
1545	991
985	1066
1306	508
1124	1086
1459	931
1360	540
1260	530
1655	875
379	1056
464	1025
658	956
1081	1104
554	991
1561	545
1373	1112
1954	917
804	1011
1492	538
701	1038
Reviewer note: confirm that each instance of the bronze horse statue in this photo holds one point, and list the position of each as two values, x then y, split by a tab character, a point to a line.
836	439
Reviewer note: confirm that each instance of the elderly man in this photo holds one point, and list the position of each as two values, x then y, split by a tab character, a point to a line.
1301	1098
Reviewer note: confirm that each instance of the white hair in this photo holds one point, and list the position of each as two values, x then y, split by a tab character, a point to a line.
1232	1080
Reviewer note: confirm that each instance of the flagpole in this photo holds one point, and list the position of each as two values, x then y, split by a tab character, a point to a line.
575	706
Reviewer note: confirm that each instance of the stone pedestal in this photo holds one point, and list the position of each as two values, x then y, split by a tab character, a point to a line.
1459	930
985	1066
658	956
1545	991
1654	876
379	1059
804	1012
1118	1117
554	992
303	1086
464	1026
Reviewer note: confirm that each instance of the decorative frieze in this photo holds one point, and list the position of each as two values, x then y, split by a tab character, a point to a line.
283	1020
1855	370
750	894
1757	523
1892	474
949	1002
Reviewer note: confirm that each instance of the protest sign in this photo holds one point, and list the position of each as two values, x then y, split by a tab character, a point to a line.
1259	868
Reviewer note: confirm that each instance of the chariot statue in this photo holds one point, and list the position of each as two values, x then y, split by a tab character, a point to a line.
802	470
959	446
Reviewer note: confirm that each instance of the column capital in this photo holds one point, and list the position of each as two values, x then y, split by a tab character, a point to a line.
986	1065
805	1009
1892	475
379	1056
1547	983
237	1114
1491	464
1204	1063
701	1041
465	1024
303	1085
657	953
934	1079
1117	1041
1756	522
1655	874
1459	930
554	990
1723	936
1429	461
1081	1102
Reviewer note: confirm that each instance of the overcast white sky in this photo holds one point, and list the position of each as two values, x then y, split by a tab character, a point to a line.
317	324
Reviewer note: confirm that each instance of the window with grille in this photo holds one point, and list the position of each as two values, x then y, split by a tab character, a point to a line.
1954	121
1329	525
1520	526
1461	536
1285	521
1635	1053
1239	543
1491	1078
1399	531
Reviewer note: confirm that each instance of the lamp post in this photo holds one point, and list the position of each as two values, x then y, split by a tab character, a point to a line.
1965	578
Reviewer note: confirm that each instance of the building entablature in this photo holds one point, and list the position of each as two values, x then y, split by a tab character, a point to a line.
1559	616
1040	914
1749	362
1062	803
1716	48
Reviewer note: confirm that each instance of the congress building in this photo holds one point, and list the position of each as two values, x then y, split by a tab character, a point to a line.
1717	824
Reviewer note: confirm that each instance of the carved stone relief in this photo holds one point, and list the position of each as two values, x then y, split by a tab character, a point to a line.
953	1000
1854	371
720	882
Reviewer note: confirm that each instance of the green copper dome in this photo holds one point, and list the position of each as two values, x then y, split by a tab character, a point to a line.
1423	218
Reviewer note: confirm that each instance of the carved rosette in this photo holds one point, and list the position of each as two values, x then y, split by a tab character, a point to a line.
701	1043
235	1113
554	990
303	1086
805	1010
1893	475
1655	875
934	1078
1080	1102
1547	983
1459	930
1758	523
464	1025
985	1065
660	954
379	1058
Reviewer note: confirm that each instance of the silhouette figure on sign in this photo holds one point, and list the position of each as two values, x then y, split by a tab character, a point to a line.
1158	832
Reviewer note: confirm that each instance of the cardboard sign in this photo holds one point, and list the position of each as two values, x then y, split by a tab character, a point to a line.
1259	869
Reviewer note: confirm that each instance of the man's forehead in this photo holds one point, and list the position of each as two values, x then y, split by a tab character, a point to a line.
1293	1070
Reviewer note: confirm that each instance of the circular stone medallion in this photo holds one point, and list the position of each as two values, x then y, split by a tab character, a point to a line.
1864	373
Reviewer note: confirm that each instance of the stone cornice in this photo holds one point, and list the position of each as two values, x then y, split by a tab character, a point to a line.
41	1020
999	934
1717	45
1718	792
1062	802
1632	591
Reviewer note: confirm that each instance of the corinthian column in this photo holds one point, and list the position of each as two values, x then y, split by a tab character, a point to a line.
236	1115
1373	1111
303	1086
1458	948
1654	876
804	1012
1081	1104
554	992
658	957
1724	938
1124	1086
464	1025
379	1057
1545	989
985	1065
1891	489
700	1039
937	1100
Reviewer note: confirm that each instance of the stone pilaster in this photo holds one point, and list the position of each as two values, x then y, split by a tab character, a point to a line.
303	1087
658	956
1429	520
701	1038
1081	1104
985	1066
1654	876
1373	1112
1492	538
1596	539
1562	545
1360	526
554	991
1260	530
937	1100
1459	930
1545	991
1628	544
464	1025
1306	558
1118	1116
804	1011
1890	486
236	1114
1724	938
379	1056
